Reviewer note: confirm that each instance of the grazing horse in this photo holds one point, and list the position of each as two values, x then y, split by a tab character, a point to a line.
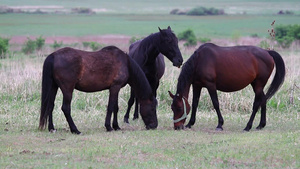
227	69
148	53
109	68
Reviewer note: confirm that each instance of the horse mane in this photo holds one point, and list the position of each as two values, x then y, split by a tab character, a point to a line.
185	76
138	81
143	47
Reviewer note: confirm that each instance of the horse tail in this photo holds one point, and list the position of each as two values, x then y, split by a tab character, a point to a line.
279	74
49	89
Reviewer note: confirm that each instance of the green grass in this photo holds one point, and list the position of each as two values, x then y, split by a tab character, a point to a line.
22	145
137	25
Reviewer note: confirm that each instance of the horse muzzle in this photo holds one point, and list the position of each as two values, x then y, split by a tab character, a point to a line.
180	127
152	126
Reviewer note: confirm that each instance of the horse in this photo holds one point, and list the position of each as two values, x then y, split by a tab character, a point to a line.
227	69
106	69
148	53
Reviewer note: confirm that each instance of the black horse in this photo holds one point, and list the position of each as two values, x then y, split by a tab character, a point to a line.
109	68
227	69
148	54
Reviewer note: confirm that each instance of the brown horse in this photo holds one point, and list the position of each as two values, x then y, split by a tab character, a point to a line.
110	68
227	69
149	54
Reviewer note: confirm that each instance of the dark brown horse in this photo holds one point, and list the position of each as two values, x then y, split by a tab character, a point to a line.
148	54
227	69
110	68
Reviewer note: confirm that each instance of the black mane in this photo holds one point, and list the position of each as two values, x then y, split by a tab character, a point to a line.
138	81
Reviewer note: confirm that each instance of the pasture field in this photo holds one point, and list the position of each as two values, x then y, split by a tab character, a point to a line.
138	25
22	145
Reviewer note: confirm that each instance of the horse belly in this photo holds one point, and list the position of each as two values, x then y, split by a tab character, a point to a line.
234	83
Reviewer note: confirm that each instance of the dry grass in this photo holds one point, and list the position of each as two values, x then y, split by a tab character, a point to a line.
133	147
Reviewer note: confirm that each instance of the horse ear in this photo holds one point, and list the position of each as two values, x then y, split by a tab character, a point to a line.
169	27
171	95
159	29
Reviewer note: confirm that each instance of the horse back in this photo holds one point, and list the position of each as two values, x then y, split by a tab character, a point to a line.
233	68
91	71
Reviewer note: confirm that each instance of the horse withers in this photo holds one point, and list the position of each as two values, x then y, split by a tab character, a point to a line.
107	69
227	69
149	54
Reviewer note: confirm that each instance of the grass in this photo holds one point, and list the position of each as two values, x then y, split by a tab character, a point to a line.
137	25
24	146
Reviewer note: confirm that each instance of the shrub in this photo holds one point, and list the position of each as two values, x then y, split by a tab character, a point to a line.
286	34
204	40
57	45
186	34
29	46
4	44
86	44
40	42
189	36
95	46
205	11
264	44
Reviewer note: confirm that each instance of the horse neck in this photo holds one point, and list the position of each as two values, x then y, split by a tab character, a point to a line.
138	81
183	88
186	77
150	48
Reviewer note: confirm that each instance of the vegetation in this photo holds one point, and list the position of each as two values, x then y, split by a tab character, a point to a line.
189	36
205	11
22	145
57	45
286	34
4	46
93	45
29	46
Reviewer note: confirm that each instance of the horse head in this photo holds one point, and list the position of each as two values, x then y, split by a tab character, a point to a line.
169	46
181	108
148	112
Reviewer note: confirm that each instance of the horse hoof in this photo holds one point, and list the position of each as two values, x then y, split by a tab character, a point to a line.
76	132
188	126
219	129
126	120
259	128
135	118
52	131
246	130
117	128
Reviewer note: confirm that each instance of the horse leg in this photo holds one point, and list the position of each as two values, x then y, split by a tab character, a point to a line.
66	108
258	100
215	101
263	122
196	96
51	107
129	105
136	110
112	107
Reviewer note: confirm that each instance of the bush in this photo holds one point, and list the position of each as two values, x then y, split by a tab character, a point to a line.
4	45
205	11
204	40
40	42
29	46
95	46
57	45
286	34
189	36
